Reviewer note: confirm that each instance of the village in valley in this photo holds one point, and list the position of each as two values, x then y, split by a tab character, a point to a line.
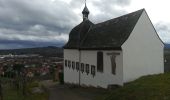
18	71
32	64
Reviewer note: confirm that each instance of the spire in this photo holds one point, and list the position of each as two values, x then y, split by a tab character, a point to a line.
85	12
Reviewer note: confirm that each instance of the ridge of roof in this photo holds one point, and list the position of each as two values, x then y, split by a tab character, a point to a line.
121	16
111	33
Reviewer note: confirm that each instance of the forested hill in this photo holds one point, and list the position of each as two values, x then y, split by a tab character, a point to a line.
49	51
167	46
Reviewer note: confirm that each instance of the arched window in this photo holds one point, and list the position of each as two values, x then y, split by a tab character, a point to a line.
65	63
69	64
73	65
87	69
93	72
82	67
77	66
100	61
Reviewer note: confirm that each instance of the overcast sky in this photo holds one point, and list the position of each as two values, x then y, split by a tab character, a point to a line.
35	23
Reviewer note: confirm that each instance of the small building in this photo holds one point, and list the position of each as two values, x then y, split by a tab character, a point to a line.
113	52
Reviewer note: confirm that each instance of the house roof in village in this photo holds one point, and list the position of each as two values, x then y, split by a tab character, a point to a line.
110	34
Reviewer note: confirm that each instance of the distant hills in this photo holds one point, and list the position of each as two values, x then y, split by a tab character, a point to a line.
49	51
167	46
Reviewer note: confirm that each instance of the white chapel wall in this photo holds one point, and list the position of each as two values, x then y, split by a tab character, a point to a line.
143	51
70	75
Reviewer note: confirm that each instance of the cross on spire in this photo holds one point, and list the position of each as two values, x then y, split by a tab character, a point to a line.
85	2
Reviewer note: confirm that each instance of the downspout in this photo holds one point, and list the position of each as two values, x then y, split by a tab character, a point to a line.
80	55
79	67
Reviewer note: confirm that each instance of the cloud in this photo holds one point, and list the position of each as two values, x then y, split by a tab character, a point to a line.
35	21
102	10
163	29
27	23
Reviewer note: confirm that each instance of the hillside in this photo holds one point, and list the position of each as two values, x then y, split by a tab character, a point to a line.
167	59
50	51
154	87
167	46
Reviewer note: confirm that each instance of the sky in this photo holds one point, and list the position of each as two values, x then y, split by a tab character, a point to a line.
38	23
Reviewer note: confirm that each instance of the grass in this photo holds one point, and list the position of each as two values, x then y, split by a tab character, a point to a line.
10	93
153	87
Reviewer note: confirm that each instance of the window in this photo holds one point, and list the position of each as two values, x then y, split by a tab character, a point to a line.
100	61
77	66
113	63
93	70
82	67
65	63
69	64
73	65
87	68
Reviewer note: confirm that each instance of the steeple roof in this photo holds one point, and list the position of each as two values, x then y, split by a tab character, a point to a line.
78	33
85	10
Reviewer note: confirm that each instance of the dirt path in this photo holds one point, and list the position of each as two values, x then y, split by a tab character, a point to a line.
63	92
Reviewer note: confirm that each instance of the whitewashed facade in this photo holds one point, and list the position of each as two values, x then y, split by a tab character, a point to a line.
100	79
143	51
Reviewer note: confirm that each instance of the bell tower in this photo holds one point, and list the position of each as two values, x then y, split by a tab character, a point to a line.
85	12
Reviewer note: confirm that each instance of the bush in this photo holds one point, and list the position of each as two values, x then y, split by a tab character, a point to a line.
31	85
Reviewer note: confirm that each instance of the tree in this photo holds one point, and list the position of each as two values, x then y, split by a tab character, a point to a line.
18	68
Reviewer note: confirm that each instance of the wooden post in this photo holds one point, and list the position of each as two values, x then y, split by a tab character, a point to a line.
1	94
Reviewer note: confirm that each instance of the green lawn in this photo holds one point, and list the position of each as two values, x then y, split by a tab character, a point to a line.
154	87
